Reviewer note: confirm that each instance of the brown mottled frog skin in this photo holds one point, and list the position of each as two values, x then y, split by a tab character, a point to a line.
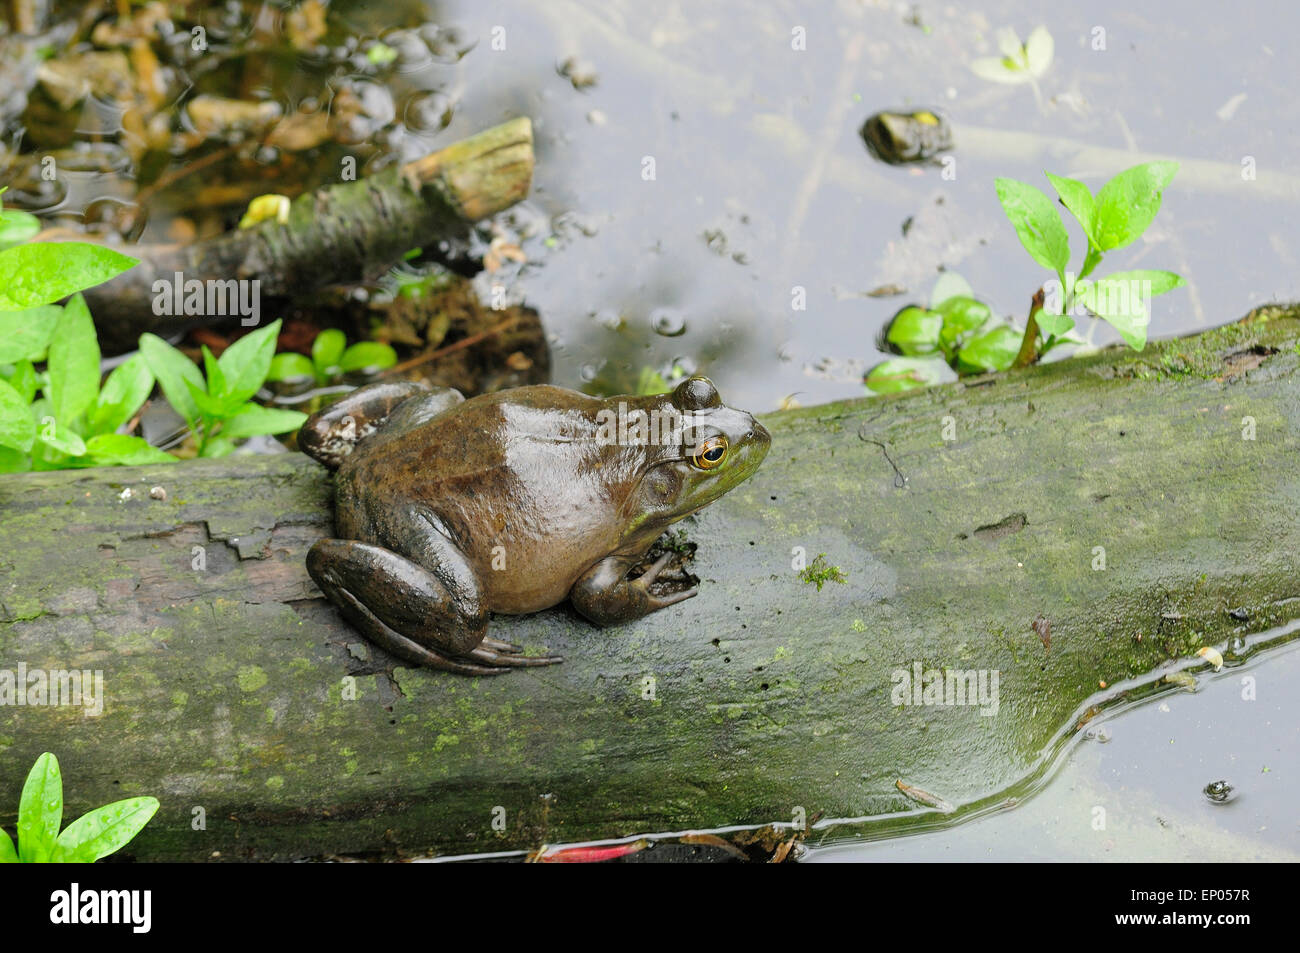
450	509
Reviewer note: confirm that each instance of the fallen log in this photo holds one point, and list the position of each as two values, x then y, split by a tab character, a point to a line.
338	233
1072	527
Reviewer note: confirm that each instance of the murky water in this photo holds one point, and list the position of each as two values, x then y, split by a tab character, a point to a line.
762	183
1134	788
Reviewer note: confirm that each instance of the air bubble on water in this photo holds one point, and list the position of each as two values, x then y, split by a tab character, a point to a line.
668	322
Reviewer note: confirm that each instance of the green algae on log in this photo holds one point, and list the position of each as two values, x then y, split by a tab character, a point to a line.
960	517
338	233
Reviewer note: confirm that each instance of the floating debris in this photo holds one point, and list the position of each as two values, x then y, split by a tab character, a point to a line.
1184	679
585	855
1213	656
1044	629
924	797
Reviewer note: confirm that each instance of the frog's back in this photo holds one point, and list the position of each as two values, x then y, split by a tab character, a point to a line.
516	479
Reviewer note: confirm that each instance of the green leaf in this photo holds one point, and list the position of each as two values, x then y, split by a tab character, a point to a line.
8	855
907	373
994	350
1159	281
1009	44
60	439
247	362
1053	324
290	365
1119	304
949	284
915	331
125	390
104	830
367	354
23	379
173	370
1078	199
1128	203
998	70
17	227
17	428
24	335
327	350
40	810
217	386
14	461
107	449
254	419
962	316
217	447
1037	225
74	362
208	405
45	272
1039	50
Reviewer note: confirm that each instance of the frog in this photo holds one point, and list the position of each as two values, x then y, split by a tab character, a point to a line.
449	510
901	138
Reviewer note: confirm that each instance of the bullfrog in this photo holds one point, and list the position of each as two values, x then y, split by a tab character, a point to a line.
447	509
902	138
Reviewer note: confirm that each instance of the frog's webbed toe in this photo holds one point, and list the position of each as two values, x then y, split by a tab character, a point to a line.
605	596
512	658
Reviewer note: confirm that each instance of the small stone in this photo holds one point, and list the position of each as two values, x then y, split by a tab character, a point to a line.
157	493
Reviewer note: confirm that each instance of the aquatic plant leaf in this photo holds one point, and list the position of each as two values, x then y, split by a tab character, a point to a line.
995	350
1037	225
907	373
124	391
915	331
247	362
46	272
73	362
25	334
17	428
40	810
1128	203
173	371
104	830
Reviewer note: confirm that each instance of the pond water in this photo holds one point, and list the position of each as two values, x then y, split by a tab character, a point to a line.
763	183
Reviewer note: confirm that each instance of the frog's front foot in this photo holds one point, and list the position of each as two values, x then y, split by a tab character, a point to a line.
430	618
606	596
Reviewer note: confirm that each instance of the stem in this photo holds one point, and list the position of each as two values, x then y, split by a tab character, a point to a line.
1029	344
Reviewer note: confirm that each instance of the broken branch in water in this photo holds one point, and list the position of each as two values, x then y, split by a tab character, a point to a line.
338	233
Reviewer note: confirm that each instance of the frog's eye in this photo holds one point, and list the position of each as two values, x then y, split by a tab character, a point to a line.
710	454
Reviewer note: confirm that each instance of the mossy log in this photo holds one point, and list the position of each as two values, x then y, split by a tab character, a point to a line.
338	233
958	516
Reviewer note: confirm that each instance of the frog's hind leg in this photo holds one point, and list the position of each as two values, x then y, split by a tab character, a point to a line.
331	434
431	619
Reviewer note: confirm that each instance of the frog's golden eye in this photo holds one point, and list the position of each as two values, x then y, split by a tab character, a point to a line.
710	453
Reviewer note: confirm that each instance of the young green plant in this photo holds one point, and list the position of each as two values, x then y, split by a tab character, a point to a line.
218	409
331	358
93	835
73	422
